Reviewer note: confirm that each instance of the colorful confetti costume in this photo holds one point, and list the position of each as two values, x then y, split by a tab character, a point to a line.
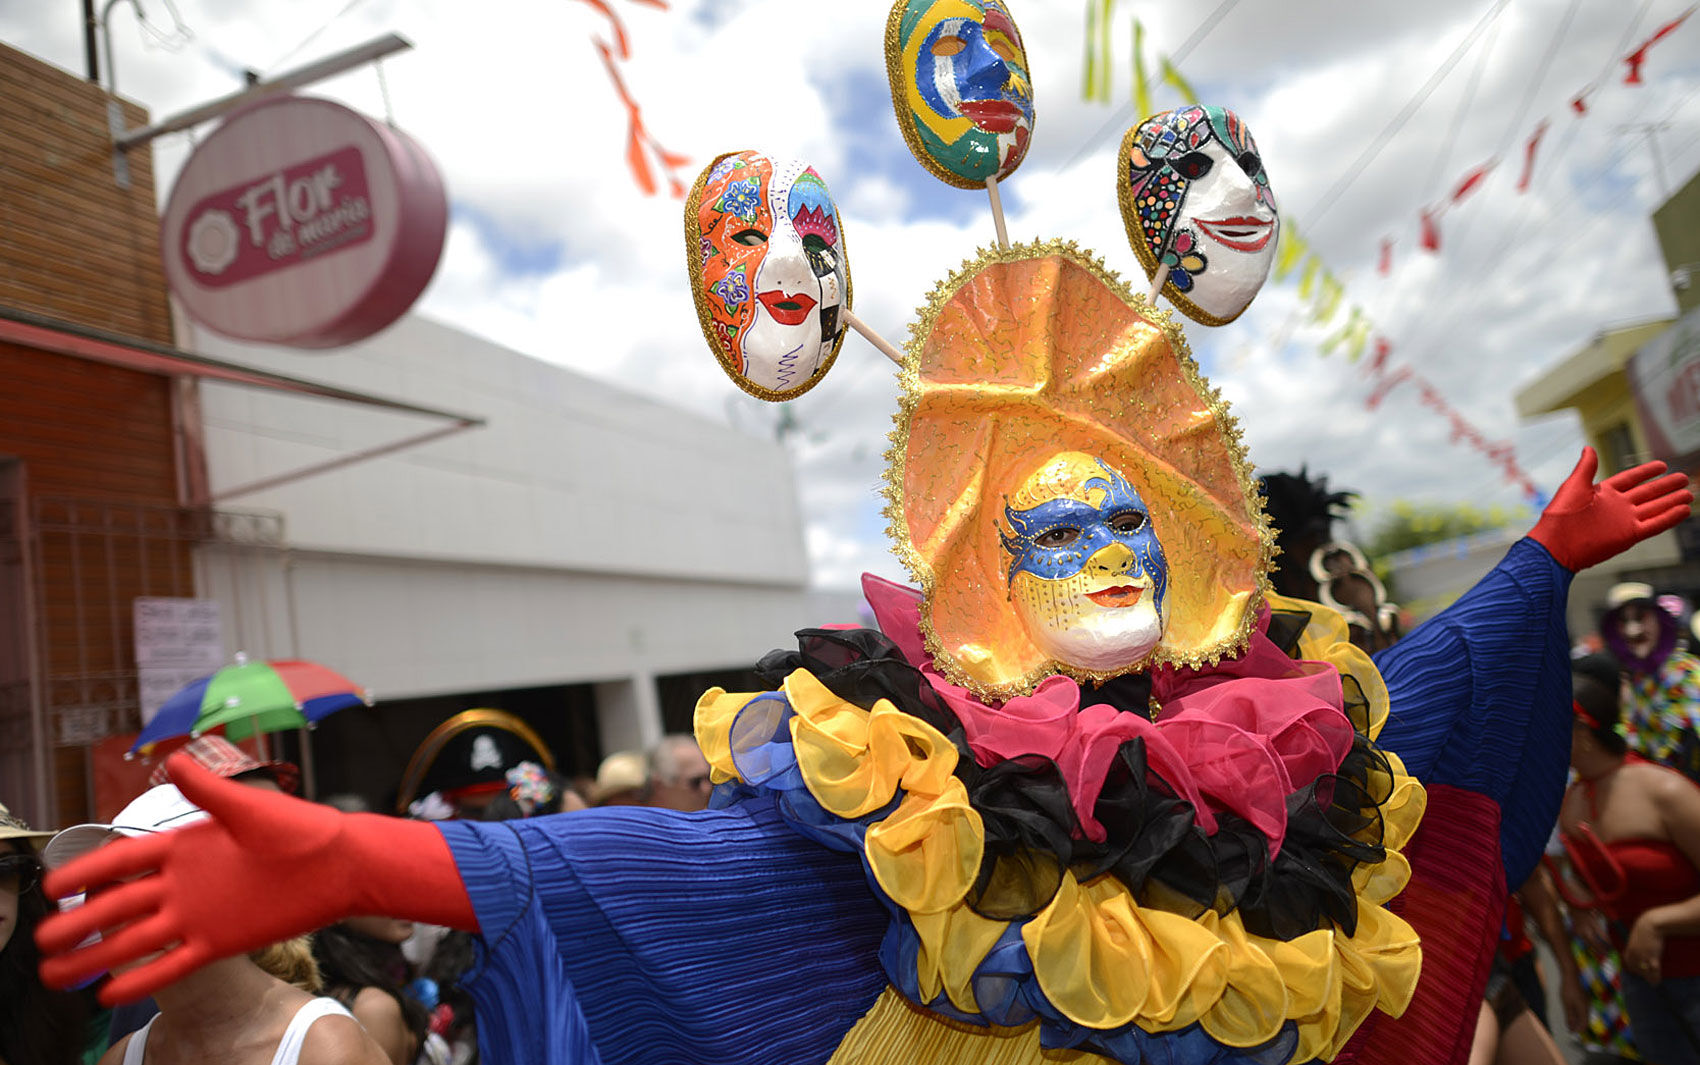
1661	706
766	929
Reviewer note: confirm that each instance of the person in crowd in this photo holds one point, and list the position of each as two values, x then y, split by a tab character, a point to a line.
1590	986
1661	702
249	1009
363	967
622	779
678	774
223	758
1512	1028
38	1026
465	763
348	802
1631	829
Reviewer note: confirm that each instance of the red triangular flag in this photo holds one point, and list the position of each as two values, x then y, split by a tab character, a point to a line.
1529	156
1386	265
1386	385
1431	231
1639	56
1579	103
1383	348
1472	180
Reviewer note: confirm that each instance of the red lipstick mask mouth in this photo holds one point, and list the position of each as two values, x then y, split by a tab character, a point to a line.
788	309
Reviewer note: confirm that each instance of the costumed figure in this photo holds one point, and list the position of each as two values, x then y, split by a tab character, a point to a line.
1090	793
1313	565
1661	695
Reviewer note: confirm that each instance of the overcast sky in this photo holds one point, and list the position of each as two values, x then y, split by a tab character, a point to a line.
554	252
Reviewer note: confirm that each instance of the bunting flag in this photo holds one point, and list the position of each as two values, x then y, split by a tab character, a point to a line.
1579	102
1172	78
1385	267
1106	54
640	145
1290	251
1307	279
1096	72
1328	300
1354	335
1387	384
1383	349
1636	58
1472	181
1141	81
1431	230
1529	151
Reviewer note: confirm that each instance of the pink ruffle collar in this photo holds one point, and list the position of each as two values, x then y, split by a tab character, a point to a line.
1237	737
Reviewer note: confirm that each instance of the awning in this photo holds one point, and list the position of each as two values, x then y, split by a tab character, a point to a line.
31	330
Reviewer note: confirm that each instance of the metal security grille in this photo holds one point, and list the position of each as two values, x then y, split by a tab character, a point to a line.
90	561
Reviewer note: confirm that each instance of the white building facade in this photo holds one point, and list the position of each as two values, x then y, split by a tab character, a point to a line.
580	549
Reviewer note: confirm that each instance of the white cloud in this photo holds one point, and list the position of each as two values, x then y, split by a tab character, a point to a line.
515	105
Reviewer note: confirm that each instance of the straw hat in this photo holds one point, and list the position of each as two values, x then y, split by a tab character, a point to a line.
619	774
13	827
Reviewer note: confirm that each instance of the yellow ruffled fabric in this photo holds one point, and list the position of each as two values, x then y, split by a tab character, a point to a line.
1101	958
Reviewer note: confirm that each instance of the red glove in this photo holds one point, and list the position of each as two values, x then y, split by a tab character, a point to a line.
1585	523
264	867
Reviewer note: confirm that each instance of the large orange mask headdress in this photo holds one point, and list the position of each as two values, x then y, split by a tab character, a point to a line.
1070	493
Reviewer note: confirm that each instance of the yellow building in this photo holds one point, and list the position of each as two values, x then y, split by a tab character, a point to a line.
1626	407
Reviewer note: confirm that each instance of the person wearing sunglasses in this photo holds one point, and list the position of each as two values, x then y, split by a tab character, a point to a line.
38	1026
1631	830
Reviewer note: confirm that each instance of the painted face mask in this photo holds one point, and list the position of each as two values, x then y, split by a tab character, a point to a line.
1074	497
768	271
1195	198
1087	573
960	86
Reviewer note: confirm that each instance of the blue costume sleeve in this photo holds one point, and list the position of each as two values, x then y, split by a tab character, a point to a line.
630	935
1480	697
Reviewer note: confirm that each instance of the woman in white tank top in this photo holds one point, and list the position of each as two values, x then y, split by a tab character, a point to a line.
235	1013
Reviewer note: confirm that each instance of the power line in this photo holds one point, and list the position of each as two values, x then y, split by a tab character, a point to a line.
1392	129
1515	130
1444	156
311	37
1525	211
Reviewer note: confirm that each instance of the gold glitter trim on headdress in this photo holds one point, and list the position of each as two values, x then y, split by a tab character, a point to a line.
1038	349
705	317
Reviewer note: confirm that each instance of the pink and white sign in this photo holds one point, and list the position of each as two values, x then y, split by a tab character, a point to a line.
1665	379
303	223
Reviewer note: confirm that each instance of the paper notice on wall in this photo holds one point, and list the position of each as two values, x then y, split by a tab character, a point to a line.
177	641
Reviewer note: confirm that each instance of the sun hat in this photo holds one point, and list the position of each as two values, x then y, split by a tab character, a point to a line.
227	760
620	773
14	827
1618	599
1628	592
159	809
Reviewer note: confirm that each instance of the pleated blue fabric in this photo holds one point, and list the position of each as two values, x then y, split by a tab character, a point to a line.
1480	698
627	936
630	935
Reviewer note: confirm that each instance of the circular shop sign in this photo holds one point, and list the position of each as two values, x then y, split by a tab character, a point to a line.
303	223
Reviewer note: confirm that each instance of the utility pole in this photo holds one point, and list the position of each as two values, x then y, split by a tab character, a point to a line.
1651	129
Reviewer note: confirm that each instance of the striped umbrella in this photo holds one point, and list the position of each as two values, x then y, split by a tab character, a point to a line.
250	697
